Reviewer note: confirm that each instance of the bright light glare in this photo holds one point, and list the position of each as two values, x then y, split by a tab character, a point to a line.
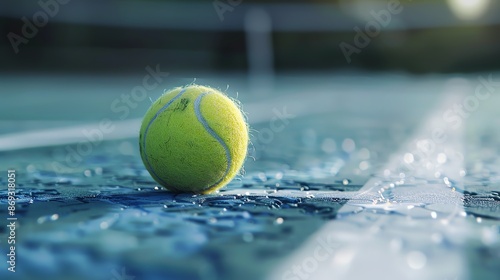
468	9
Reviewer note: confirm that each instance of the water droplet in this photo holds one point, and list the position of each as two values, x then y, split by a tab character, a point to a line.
408	158
346	182
44	219
441	158
98	170
247	237
87	173
279	221
30	168
262	176
433	214
446	181
416	259
348	145
364	165
104	225
328	146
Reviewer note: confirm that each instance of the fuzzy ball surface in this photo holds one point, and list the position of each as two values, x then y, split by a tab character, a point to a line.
193	139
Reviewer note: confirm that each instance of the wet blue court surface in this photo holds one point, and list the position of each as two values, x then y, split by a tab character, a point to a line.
331	170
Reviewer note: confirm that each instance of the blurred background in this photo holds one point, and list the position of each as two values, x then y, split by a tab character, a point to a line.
355	83
91	52
115	36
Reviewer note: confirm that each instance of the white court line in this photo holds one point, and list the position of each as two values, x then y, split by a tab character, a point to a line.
258	112
369	245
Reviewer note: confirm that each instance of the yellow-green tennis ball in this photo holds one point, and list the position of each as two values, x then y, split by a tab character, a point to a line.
193	139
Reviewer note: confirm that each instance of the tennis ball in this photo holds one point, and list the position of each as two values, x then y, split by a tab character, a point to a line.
193	139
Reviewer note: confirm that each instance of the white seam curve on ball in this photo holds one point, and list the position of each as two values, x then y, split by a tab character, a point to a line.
207	127
146	133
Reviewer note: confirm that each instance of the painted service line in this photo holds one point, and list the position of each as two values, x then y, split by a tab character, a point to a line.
402	233
258	112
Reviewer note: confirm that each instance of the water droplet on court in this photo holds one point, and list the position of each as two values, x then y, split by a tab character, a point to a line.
328	146
104	225
247	237
30	168
416	260
408	158
98	170
441	158
279	221
262	176
387	173
364	165
348	145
